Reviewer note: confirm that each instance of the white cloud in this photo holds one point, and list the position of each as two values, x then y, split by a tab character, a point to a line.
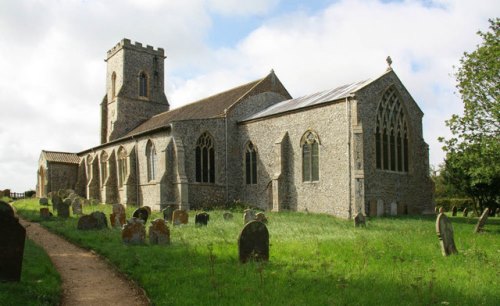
53	71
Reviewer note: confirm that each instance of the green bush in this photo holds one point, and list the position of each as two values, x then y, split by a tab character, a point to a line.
460	203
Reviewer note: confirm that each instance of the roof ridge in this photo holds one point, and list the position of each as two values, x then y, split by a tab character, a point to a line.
60	152
258	82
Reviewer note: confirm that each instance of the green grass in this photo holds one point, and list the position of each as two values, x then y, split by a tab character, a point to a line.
314	260
40	283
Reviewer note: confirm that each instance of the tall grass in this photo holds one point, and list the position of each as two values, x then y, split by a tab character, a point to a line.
314	260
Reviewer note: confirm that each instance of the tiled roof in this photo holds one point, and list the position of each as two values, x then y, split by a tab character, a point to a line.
211	107
318	98
61	157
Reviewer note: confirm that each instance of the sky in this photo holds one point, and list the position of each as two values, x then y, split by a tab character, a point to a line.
53	71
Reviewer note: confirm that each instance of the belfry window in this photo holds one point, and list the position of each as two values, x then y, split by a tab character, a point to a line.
391	134
205	159
151	160
310	157
251	164
122	166
143	84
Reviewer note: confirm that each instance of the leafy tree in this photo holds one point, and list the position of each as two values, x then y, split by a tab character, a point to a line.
473	152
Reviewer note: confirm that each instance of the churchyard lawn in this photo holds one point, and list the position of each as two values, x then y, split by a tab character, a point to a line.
314	259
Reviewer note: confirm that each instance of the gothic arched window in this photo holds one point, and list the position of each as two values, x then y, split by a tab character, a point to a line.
122	165
250	163
391	134
143	84
113	85
205	159
310	157
151	160
104	167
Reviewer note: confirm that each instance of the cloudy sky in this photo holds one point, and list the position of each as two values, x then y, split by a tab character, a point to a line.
53	73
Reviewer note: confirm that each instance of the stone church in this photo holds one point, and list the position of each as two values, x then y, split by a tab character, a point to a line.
355	148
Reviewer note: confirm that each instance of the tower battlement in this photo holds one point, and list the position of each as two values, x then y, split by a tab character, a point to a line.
136	46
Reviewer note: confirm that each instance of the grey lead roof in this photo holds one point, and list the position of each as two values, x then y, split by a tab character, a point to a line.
340	92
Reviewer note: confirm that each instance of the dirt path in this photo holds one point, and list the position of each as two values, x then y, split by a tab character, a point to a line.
86	278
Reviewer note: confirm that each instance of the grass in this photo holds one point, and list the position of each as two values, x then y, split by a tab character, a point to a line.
314	260
40	283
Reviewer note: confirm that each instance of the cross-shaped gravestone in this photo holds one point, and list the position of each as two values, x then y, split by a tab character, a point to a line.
444	231
12	237
253	242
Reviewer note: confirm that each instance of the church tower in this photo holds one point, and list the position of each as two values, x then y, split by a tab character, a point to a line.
134	88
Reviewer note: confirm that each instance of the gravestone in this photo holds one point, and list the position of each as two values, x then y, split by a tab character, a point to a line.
141	213
179	217
76	206
441	210
497	211
454	210
444	231
465	212
12	237
56	201
159	232
148	209
482	221
168	211
359	220
134	231
261	217
253	242
44	201
118	217
394	209
249	215
201	219
96	220
380	208
436	210
228	216
63	208
45	213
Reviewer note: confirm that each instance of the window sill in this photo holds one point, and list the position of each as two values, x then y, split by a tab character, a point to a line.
311	182
392	171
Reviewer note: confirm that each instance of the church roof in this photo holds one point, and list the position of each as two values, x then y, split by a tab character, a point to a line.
61	157
207	108
310	100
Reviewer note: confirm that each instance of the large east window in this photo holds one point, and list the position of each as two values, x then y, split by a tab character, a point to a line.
205	159
310	157
391	134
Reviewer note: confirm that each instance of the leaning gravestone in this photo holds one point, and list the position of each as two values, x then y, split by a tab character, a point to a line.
159	232
454	210
63	209
134	231
482	221
56	201
261	217
118	217
201	219
465	212
249	215
228	216
76	206
12	237
180	217
44	201
359	220
253	242
141	213
444	231
168	211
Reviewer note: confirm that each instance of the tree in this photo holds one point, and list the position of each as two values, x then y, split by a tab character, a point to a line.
472	162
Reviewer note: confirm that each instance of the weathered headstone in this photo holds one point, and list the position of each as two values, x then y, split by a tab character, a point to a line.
63	208
454	211
45	213
148	209
359	220
159	232
227	216
44	201
12	237
497	211
394	209
465	212
261	217
56	201
168	211
444	231
96	220
201	219
134	231
380	208
482	220
436	210
141	213
248	215
118	217
253	242
179	217
441	210
76	206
